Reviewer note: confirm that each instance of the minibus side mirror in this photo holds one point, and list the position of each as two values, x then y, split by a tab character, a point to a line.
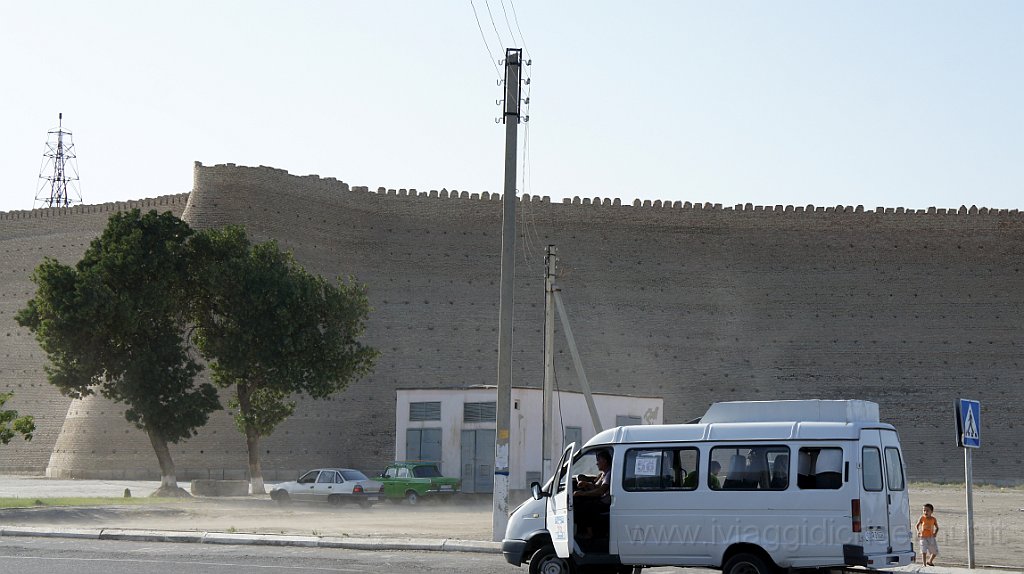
537	492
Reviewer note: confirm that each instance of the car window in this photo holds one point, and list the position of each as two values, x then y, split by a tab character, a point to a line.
353	475
871	469
403	473
660	468
309	477
749	467
326	476
390	472
426	471
894	469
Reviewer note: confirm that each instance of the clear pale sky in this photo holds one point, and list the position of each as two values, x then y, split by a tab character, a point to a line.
875	103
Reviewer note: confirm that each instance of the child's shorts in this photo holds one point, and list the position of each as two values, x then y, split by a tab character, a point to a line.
929	545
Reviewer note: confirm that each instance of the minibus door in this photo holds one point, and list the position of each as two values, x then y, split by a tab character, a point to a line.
897	495
559	511
873	503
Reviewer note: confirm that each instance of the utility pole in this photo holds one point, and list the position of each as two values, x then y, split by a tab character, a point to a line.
549	360
499	515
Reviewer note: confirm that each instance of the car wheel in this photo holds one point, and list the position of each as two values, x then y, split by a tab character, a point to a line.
744	563
412	497
545	561
281	497
365	504
334	500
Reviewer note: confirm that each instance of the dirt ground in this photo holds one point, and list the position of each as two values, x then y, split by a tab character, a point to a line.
998	520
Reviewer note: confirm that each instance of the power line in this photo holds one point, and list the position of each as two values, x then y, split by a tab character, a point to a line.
516	18
508	24
490	55
495	26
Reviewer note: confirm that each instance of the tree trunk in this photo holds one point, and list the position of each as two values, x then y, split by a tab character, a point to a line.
252	440
168	481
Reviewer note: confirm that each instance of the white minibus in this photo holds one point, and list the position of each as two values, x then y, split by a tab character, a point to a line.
750	488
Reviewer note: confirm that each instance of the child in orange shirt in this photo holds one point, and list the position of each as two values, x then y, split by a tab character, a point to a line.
927	528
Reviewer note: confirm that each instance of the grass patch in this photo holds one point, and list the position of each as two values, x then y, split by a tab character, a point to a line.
83	501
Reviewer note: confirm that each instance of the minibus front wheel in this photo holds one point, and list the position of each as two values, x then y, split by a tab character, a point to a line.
745	563
546	561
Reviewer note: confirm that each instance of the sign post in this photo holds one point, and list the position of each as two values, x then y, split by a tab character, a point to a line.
968	436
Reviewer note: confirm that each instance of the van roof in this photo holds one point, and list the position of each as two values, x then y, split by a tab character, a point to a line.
760	421
847	411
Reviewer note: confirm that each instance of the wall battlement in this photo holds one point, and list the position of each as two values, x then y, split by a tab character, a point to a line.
267	175
178	199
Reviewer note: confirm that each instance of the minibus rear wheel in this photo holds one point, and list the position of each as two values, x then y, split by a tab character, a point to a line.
746	563
546	561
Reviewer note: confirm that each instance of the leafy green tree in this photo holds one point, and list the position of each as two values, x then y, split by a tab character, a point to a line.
115	324
271	330
11	423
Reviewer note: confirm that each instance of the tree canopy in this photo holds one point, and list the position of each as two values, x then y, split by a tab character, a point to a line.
11	424
115	323
272	330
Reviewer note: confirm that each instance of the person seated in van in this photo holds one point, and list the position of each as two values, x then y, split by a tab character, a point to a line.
780	472
592	498
693	478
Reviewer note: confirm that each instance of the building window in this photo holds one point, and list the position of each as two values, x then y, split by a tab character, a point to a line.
573	435
479	412
430	411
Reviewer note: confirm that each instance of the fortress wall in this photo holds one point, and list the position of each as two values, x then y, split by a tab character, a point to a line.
26	237
694	303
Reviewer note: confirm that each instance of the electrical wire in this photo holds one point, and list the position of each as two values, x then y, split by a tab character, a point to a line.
483	36
495	26
516	17
508	24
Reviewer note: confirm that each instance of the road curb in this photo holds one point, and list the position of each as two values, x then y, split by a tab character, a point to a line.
86	533
150	535
419	544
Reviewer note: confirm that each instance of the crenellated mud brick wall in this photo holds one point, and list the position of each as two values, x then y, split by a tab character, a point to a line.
692	302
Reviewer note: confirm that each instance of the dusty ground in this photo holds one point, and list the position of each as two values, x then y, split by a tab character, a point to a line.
459	521
998	520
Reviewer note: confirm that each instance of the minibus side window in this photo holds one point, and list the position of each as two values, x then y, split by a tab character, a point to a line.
871	462
659	469
894	469
749	467
819	468
586	465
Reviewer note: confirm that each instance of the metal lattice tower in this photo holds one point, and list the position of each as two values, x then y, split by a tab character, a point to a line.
59	170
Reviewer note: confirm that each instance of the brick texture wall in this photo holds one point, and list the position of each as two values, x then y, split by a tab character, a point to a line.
694	303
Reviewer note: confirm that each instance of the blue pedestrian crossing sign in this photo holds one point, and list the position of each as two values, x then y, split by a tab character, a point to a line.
968	423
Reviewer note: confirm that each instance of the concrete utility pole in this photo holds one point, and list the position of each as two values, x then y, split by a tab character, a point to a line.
549	360
499	515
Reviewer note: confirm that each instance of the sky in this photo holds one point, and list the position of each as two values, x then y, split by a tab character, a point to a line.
877	103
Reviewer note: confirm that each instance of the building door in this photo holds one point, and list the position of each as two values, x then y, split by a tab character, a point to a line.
478	460
423	444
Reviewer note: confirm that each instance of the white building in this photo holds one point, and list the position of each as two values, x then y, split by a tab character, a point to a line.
457	428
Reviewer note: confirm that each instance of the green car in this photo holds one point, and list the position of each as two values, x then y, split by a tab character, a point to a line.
417	480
